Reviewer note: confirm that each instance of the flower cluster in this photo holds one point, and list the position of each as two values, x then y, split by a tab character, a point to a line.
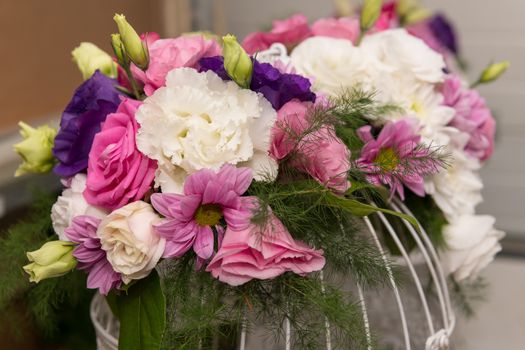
166	149
157	154
411	68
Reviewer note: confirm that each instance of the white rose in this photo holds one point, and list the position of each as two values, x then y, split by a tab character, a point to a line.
334	64
70	204
199	121
131	244
90	57
456	189
404	54
472	242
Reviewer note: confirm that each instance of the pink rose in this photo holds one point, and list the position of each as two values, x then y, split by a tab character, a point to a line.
262	253
472	117
289	32
341	28
291	121
117	172
168	54
327	159
320	154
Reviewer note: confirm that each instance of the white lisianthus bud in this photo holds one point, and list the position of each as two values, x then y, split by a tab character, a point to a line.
89	57
370	13
237	63
133	45
118	49
35	149
53	259
493	72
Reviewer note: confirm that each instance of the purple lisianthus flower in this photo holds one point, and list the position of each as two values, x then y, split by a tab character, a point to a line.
81	120
90	255
278	88
208	198
444	32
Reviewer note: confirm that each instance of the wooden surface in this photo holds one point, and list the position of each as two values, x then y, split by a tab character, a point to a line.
38	76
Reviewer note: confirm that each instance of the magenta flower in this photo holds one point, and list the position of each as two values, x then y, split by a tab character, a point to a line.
208	198
472	117
90	256
396	158
290	32
262	253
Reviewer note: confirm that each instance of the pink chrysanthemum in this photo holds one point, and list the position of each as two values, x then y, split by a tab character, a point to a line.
208	198
396	158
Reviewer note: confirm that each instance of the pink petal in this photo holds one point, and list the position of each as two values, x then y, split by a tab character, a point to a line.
203	245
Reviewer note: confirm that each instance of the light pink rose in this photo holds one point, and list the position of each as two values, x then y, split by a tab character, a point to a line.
341	28
472	117
118	173
291	121
326	159
321	154
262	253
167	54
290	32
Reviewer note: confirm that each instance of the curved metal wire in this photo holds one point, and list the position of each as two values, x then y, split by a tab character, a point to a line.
106	326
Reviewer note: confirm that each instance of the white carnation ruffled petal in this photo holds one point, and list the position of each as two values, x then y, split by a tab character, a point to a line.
198	121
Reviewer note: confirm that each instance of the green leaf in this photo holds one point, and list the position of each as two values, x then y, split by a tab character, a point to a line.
142	314
361	209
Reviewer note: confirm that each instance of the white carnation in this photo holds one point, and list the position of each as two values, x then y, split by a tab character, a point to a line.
200	121
334	64
404	54
70	204
456	189
472	241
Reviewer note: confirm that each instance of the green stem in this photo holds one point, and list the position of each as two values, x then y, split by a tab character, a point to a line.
133	82
362	33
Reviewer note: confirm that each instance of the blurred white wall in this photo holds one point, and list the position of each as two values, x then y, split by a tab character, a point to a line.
495	30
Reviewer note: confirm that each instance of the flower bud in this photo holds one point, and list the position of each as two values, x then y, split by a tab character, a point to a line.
135	49
411	11
118	49
370	13
493	72
35	149
89	58
237	63
205	34
53	259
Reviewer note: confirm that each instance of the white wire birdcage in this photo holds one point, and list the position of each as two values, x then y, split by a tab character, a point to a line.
438	322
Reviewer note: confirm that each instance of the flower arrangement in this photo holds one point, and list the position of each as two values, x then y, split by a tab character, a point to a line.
238	176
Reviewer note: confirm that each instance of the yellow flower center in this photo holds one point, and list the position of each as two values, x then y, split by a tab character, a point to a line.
387	159
208	215
417	107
